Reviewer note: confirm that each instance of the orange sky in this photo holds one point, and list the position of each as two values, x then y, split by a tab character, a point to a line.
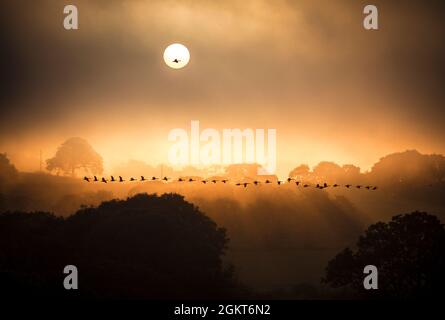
331	89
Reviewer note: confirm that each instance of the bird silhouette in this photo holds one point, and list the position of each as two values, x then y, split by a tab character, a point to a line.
267	181
238	184
154	178
245	184
375	188
180	180
204	181
112	179
325	185
95	179
165	179
335	185
176	61
143	178
224	181
358	187
306	185
297	183
214	181
120	179
104	180
348	186
368	187
191	180
279	182
290	179
86	179
256	182
132	179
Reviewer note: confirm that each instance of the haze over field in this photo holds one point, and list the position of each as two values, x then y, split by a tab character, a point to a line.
280	235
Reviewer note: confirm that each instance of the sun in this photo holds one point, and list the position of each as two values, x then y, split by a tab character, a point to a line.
176	56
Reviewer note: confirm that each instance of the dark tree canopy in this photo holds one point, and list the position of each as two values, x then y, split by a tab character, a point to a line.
147	246
409	252
74	154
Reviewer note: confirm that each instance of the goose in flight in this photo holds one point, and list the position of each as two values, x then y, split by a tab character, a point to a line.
143	178
290	179
214	180
86	179
191	180
256	182
224	181
348	186
176	61
154	178
306	185
104	180
279	182
120	179
245	184
112	179
325	185
204	181
180	180
375	188
359	187
165	179
297	183
132	179
335	185
267	181
95	179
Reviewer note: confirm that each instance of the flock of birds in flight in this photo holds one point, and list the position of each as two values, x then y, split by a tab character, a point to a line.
244	184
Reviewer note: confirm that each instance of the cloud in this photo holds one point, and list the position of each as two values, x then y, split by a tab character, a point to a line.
253	63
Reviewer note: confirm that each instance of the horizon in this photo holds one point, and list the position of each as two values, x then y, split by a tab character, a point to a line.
285	172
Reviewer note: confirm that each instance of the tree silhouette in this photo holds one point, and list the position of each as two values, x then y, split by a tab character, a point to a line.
143	247
74	154
8	172
409	252
300	172
242	170
409	167
326	171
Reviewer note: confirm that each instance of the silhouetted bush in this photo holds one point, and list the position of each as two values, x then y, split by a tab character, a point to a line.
409	252
147	246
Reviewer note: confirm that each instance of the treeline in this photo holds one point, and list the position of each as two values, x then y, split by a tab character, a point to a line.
143	247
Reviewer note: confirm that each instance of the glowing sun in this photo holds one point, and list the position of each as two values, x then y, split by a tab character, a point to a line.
176	56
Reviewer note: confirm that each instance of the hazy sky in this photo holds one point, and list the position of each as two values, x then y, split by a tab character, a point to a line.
309	69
